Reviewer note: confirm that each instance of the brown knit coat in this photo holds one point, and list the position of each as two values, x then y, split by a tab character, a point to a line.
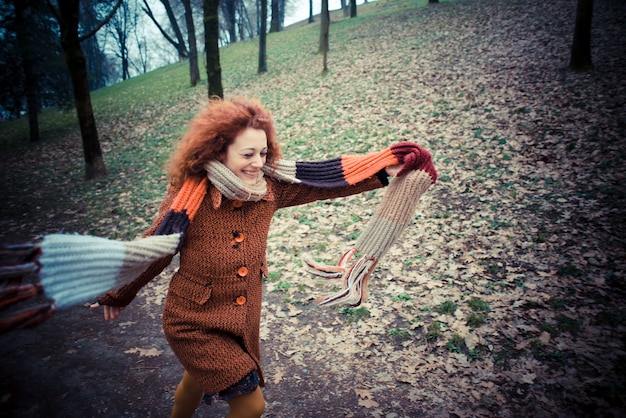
213	308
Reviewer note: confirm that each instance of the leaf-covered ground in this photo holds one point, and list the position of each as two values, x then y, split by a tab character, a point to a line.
505	295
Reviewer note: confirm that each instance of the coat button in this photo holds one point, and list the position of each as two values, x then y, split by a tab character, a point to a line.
242	271
240	237
237	204
241	300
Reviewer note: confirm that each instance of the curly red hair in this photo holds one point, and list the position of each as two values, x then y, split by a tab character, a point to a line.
213	130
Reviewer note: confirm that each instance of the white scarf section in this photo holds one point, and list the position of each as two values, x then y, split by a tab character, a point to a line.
231	186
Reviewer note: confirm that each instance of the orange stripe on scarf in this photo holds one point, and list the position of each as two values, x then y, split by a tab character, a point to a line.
190	196
356	168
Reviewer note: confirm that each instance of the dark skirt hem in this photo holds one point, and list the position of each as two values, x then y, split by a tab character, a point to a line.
245	386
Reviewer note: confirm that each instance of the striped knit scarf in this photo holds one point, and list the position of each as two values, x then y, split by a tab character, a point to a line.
384	228
73	269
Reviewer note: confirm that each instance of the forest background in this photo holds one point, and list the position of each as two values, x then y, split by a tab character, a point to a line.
503	298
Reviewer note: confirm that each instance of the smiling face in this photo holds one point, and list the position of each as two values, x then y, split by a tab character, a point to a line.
246	155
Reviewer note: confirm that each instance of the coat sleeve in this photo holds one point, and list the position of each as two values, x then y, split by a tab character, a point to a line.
125	294
297	194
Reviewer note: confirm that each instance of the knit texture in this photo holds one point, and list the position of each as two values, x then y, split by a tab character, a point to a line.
416	175
351	169
69	264
75	269
213	307
385	227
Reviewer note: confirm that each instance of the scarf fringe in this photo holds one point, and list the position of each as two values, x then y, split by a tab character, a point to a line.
386	226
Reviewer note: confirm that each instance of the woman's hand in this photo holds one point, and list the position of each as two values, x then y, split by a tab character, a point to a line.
393	170
110	312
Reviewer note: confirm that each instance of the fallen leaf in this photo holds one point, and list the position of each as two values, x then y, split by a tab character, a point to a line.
145	352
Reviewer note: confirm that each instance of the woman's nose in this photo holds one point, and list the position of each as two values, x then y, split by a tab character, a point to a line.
258	161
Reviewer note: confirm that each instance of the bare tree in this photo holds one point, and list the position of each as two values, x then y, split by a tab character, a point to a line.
178	43
194	71
122	24
324	32
245	25
263	38
311	20
324	27
228	9
68	17
31	85
100	66
275	23
237	20
581	46
211	43
141	63
278	16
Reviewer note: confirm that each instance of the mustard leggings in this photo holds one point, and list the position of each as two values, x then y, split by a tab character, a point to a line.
188	396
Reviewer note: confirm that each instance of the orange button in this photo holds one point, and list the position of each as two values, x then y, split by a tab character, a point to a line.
240	237
237	203
241	300
242	271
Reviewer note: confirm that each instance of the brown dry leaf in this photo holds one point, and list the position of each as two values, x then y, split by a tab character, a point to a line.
145	352
363	393
368	403
278	374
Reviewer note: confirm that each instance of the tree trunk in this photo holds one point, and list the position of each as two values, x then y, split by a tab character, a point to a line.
68	21
324	26
324	29
245	25
229	14
194	70
263	38
352	8
22	19
275	24
182	50
281	14
581	46
211	41
311	20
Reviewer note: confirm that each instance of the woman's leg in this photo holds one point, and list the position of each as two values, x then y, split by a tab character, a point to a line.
187	397
250	405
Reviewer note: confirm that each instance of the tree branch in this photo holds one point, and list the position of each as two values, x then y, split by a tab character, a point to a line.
102	23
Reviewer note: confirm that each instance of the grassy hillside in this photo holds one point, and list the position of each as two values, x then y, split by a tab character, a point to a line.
140	119
505	295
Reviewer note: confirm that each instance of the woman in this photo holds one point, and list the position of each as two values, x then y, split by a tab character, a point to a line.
212	313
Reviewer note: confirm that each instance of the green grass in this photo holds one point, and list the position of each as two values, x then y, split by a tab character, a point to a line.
399	334
434	331
478	305
447	307
456	344
140	120
355	314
